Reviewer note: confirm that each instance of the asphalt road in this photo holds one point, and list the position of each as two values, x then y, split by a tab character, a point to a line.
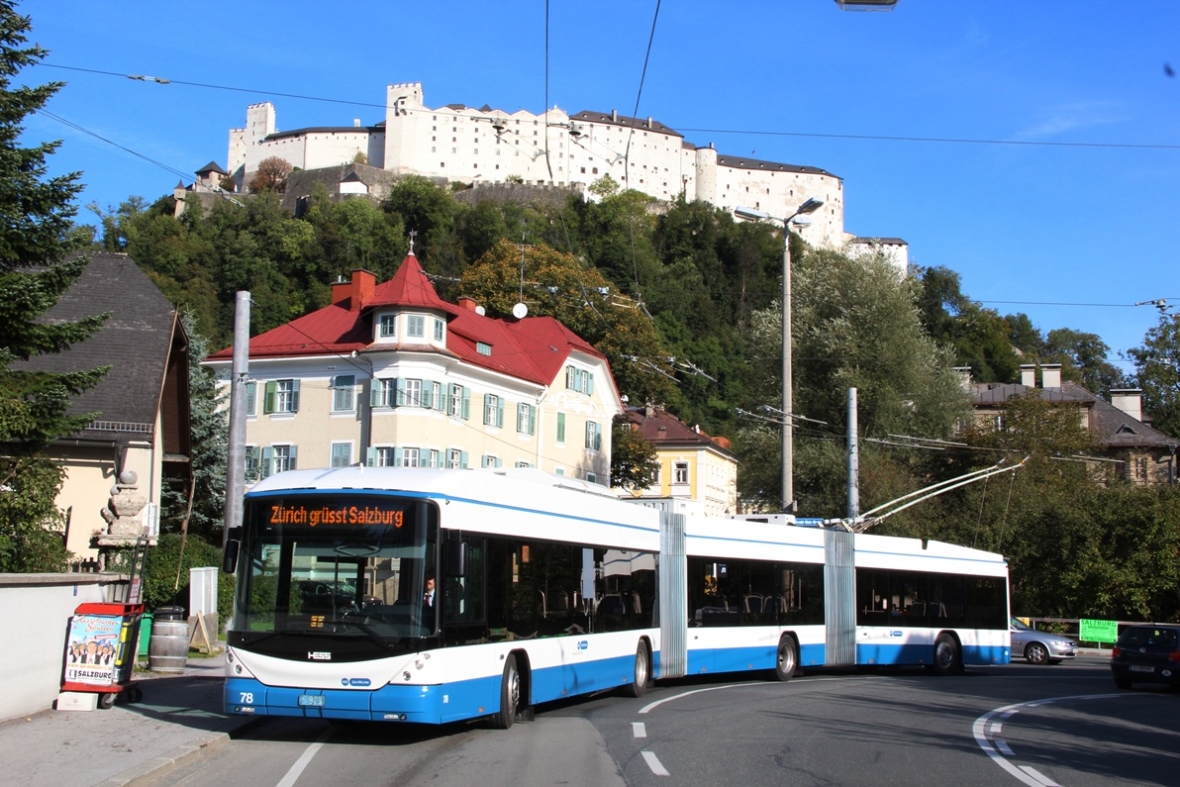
1018	724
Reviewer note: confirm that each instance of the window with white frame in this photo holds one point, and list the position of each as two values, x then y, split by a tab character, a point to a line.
680	472
458	401
415	326
490	460
387	326
526	419
439	330
594	436
341	454
579	380
384	456
432	458
456	458
344	393
493	410
282	396
523	464
278	459
409	393
383	393
410	457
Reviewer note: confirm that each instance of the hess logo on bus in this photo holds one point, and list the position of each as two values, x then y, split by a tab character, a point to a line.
583	645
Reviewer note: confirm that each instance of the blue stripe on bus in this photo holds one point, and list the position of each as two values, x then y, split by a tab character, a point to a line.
456	701
924	654
438	496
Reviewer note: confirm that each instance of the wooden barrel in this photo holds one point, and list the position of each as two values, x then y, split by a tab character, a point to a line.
168	649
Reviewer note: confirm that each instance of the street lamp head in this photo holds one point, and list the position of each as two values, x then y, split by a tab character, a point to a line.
810	206
750	214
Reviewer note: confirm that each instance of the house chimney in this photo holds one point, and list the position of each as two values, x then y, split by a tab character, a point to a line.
1028	375
357	292
1129	400
1051	376
964	373
614	115
469	304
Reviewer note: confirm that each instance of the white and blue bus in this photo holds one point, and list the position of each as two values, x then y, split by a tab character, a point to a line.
432	596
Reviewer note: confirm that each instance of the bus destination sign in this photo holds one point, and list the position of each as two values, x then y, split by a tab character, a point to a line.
312	516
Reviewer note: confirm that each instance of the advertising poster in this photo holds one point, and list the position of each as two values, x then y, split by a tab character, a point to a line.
91	648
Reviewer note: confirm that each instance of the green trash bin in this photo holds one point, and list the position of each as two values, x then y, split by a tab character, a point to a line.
145	634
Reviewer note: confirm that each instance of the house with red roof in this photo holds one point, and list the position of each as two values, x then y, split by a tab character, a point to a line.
389	374
693	465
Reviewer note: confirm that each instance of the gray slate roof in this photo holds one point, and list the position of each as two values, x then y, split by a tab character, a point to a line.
135	342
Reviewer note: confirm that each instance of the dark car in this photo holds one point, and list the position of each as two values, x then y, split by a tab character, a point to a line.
1040	647
1147	653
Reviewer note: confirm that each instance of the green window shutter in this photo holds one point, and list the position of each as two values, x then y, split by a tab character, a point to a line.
597	437
376	391
370	457
590	383
397	457
294	396
428	394
400	386
268	460
462	459
251	398
561	427
466	406
500	411
268	401
499	462
294	457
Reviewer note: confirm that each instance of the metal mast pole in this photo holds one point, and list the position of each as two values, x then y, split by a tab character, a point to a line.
235	471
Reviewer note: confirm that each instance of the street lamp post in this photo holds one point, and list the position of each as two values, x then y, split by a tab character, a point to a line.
810	206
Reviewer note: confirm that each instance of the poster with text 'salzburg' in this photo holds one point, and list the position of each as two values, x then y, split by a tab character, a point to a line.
91	649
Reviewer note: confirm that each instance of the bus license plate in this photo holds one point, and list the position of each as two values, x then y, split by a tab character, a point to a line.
311	700
1142	668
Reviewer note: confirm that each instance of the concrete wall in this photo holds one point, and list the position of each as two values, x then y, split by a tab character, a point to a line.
35	612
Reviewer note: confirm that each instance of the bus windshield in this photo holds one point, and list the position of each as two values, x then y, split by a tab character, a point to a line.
354	569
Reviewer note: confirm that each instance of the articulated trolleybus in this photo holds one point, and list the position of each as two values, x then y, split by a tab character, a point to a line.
433	596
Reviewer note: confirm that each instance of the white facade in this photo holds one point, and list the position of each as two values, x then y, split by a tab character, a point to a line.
468	145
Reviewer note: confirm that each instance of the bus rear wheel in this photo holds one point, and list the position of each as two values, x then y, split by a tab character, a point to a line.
642	675
509	695
786	659
947	660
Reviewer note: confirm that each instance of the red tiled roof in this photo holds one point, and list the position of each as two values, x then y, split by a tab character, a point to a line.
662	430
532	349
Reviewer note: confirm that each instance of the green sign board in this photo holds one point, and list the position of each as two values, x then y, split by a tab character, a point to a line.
1098	630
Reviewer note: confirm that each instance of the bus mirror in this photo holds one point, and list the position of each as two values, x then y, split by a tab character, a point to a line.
457	559
229	558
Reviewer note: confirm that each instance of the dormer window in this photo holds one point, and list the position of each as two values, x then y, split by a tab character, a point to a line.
439	330
483	348
415	326
387	326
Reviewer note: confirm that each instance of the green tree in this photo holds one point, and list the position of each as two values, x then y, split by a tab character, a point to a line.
977	336
633	460
1083	359
1157	368
35	240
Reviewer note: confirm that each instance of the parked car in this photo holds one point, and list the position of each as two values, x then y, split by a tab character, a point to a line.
1146	653
1040	647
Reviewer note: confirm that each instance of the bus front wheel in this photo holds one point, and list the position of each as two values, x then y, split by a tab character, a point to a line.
786	659
947	660
642	674
509	695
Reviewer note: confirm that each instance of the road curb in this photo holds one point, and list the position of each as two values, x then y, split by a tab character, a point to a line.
156	767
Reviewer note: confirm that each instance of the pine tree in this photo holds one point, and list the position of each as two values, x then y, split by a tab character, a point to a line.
35	269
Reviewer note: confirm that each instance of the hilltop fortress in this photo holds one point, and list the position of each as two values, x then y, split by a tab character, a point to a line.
486	146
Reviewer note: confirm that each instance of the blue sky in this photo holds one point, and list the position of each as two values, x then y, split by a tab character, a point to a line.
1067	213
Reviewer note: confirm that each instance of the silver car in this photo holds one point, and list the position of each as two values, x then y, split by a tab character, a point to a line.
1040	647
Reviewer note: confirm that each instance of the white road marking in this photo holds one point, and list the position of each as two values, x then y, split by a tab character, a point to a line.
305	759
1040	777
653	762
638	729
652	706
998	750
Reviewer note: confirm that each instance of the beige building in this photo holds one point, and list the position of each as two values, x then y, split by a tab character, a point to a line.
390	375
693	465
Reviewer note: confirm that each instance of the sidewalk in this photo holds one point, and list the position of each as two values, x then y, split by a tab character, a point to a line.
178	718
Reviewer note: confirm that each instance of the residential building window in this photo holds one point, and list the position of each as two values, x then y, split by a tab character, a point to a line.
680	473
278	459
1141	468
526	419
383	393
415	326
439	330
253	463
459	402
383	456
456	458
490	460
483	348
409	393
493	410
251	399
344	393
559	471
341	454
410	457
579	380
387	326
561	428
432	458
592	477
282	396
523	464
594	436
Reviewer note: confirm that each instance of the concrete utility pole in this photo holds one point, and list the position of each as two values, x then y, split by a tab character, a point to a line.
853	458
235	470
810	206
